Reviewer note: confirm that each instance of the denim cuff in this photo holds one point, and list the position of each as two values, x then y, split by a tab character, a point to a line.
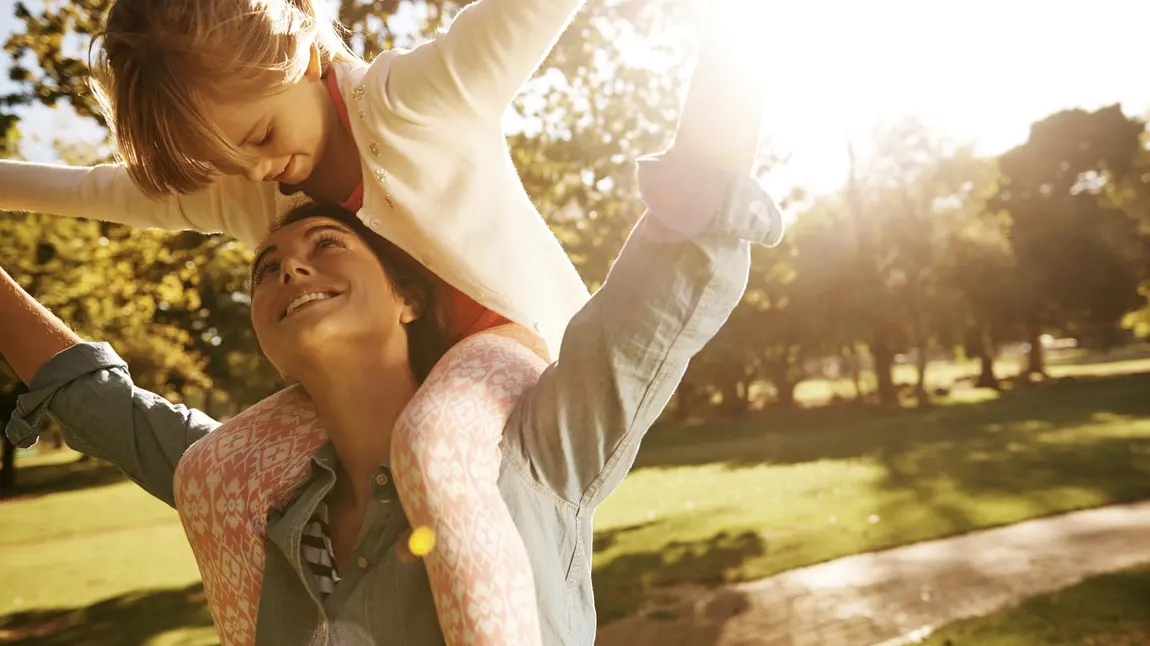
61	370
685	199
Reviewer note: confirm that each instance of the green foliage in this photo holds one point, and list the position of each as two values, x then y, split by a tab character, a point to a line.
927	248
1079	254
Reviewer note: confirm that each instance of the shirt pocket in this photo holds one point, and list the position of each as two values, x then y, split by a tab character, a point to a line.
406	590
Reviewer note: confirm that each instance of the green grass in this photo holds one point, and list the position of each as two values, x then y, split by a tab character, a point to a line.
1110	610
102	564
706	504
779	491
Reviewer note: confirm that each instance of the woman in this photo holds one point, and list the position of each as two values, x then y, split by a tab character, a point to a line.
571	439
568	445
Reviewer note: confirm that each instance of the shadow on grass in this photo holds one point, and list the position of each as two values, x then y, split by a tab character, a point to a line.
129	619
1025	441
622	583
849	431
1109	610
43	479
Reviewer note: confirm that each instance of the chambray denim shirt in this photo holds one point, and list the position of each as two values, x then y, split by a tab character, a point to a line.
565	448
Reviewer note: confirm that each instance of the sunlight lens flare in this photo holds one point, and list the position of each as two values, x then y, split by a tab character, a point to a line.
422	541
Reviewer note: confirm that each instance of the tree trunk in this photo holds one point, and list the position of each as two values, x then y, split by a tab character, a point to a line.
986	356
1035	359
918	328
784	385
8	457
883	356
851	358
7	466
734	396
920	394
686	401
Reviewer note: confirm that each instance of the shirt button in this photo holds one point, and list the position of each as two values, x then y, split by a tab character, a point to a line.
376	223
362	562
381	479
538	326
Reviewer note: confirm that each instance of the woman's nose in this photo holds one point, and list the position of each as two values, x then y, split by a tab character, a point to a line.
294	270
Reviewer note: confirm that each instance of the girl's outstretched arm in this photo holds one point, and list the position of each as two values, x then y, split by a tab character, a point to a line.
105	192
475	67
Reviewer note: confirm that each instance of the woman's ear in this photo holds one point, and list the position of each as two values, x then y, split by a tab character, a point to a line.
412	307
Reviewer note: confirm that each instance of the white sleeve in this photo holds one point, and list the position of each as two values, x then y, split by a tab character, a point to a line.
478	64
229	205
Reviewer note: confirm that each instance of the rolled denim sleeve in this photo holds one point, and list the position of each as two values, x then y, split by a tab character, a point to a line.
682	271
88	391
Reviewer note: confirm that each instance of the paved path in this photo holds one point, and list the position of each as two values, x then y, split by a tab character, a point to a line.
884	597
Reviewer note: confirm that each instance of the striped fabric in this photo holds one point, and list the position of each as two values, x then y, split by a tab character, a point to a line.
317	551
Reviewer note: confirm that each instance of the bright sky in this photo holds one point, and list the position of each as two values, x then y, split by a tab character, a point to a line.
976	70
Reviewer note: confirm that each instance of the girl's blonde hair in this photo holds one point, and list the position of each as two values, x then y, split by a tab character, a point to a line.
157	61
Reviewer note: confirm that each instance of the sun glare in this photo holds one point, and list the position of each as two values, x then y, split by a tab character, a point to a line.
977	71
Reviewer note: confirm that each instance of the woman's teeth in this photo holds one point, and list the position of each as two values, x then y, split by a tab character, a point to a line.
300	301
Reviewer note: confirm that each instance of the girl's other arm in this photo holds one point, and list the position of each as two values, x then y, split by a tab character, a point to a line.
722	117
106	192
86	388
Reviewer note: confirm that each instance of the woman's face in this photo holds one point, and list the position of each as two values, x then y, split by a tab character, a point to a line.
318	289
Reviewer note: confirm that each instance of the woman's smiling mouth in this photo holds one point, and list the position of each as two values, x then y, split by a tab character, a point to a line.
305	299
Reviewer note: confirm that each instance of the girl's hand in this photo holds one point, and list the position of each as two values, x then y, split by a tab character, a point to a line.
722	117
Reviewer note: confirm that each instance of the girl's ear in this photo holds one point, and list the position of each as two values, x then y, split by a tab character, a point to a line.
314	69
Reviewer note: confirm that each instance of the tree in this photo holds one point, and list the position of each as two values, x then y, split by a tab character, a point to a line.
978	266
1076	264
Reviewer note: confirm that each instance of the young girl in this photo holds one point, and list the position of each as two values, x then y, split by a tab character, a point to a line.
224	109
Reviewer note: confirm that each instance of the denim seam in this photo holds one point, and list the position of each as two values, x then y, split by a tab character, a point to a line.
520	468
660	376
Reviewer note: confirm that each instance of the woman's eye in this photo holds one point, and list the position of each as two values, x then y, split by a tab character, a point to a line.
266	270
328	241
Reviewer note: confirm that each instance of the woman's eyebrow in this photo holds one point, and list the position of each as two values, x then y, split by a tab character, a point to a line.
319	228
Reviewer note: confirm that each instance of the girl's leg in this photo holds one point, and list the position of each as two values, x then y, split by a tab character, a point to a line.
224	487
445	457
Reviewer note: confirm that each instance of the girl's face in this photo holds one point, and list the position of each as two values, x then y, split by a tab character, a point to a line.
286	134
318	289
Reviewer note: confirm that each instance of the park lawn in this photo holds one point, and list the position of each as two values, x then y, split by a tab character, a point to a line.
1109	610
722	502
746	500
